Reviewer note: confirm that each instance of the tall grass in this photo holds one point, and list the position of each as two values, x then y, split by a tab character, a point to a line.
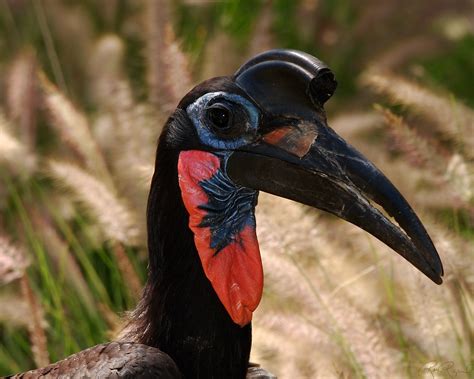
85	89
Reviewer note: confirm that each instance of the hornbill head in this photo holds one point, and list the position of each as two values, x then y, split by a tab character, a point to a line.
265	128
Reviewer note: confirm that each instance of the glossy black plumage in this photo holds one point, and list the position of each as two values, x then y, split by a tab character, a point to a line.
179	311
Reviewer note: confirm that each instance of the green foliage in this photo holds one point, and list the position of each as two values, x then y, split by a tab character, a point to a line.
332	295
450	69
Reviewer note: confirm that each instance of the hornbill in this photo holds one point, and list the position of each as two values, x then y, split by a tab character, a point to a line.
262	129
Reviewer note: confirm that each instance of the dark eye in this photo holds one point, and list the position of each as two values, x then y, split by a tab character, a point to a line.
219	116
226	119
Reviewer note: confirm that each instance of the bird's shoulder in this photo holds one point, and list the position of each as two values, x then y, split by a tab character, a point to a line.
110	360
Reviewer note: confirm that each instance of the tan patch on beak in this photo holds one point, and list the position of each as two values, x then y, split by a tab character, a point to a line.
296	140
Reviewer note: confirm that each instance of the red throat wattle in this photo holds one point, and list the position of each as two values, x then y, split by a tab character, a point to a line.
235	271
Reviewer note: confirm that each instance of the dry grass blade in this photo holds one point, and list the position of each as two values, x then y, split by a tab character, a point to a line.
39	342
114	321
73	128
13	153
135	129
13	264
297	327
431	323
460	175
215	63
116	222
366	340
351	332
127	270
105	68
178	75
289	356
263	36
22	96
61	255
13	261
417	149
168	67
157	13
127	132
452	118
455	172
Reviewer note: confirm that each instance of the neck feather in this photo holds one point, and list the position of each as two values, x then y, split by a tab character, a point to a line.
179	311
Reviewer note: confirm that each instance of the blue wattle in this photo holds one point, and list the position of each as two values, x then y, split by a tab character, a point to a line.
230	207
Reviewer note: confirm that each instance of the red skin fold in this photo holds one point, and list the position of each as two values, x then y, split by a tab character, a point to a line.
296	141
236	271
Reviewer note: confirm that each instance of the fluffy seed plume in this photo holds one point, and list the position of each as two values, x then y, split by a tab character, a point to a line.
157	13
22	95
454	171
325	311
13	264
105	67
113	217
73	128
417	149
461	175
127	132
134	129
13	153
214	62
263	36
37	327
127	270
179	76
168	67
451	118
116	222
13	261
290	356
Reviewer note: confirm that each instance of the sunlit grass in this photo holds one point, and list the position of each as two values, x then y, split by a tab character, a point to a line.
78	142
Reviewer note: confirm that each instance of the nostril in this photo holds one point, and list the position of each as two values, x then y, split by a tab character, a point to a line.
322	86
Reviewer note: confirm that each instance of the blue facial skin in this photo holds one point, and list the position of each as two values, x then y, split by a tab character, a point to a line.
197	114
230	208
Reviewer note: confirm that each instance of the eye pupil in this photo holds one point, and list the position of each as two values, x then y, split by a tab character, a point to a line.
219	116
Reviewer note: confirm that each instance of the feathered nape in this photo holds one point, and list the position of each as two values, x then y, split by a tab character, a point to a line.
179	311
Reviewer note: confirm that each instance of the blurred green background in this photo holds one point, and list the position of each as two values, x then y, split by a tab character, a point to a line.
89	84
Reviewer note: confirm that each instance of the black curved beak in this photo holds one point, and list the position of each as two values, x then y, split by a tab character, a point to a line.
300	158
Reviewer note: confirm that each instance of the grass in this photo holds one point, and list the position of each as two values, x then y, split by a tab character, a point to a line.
81	106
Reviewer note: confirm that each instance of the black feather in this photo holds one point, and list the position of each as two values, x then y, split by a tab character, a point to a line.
179	312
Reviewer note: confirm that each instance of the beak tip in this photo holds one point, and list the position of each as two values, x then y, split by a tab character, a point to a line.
433	268
436	273
438	269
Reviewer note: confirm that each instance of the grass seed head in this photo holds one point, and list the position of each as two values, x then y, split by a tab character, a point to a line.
13	261
113	217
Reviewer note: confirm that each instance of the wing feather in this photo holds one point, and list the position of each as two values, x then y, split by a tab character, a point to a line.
110	360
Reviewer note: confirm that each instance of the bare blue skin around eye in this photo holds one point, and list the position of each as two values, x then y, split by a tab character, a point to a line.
196	112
